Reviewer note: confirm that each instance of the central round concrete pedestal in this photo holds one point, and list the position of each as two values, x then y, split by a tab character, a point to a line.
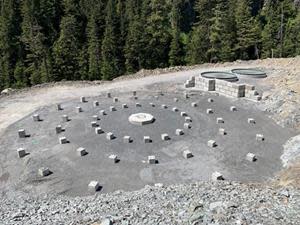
141	119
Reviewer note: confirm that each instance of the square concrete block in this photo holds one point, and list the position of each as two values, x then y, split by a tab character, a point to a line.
183	114
110	136
58	129
165	137
98	130
185	95
210	100
209	111
65	118
251	120
82	99
134	93
147	139
21	152
179	132
152	104
102	113
58	107
94	124
108	95
36	118
151	159
116	99
124	106
222	131
156	97
112	108
138	104
187	126
164	106
187	154
95	117
260	137
114	158
93	186
175	109
251	157
220	120
78	109
81	151
43	172
194	104
216	176
96	103
188	119
63	140
211	143
233	109
175	99
127	139
22	133
135	97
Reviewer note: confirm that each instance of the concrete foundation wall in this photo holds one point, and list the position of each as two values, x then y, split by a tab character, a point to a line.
223	87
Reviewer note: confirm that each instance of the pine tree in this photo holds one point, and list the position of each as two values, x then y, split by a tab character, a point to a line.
9	43
248	36
176	48
292	37
67	47
158	35
133	46
110	65
198	46
94	50
19	75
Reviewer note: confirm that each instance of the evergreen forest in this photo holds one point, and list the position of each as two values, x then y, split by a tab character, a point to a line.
53	40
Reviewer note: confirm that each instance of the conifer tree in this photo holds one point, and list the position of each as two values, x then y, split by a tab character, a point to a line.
133	44
248	36
110	65
176	48
9	43
292	37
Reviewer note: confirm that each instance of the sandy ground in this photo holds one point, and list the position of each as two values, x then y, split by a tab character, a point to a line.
281	92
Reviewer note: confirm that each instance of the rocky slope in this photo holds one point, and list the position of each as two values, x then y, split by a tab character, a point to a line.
198	203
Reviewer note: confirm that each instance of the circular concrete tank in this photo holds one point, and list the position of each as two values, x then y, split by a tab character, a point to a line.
253	73
231	77
141	119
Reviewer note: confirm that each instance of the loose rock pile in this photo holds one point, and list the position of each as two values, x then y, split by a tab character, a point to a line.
199	203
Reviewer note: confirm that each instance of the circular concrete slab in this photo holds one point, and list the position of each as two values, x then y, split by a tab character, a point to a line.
141	119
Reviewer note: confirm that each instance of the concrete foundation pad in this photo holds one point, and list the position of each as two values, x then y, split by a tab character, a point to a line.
63	140
220	120
251	157
151	159
127	139
188	119
147	139
233	109
251	120
58	129
21	152
98	130
112	109
114	158
36	118
22	133
260	137
65	118
222	131
81	151
43	172
209	111
96	103
187	126
187	154
94	186
165	137
179	132
216	176
211	143
110	136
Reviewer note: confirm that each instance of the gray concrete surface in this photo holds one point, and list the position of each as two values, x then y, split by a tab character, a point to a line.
71	174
